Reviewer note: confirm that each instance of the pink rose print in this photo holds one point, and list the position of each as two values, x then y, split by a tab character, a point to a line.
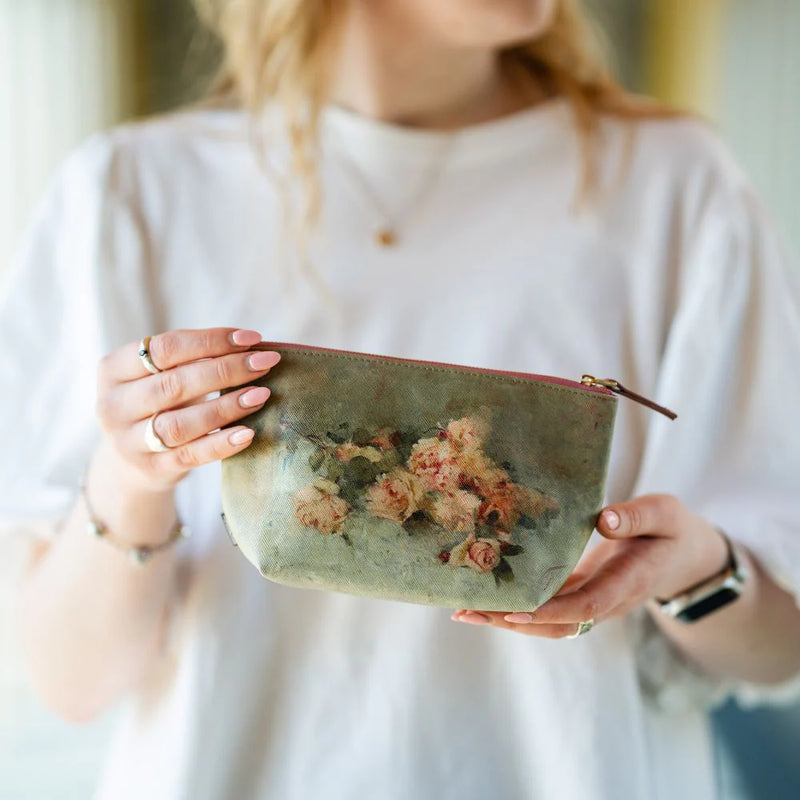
317	506
441	484
478	473
435	463
467	433
481	555
395	496
455	511
499	507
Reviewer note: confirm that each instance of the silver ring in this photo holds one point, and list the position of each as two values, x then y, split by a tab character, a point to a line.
583	627
145	358
154	443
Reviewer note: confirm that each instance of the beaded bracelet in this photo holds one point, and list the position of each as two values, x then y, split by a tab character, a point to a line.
139	554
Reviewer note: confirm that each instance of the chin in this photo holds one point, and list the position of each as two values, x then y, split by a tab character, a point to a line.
488	23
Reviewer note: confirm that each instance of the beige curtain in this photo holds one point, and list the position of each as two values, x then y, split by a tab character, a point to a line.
736	62
682	50
759	106
67	68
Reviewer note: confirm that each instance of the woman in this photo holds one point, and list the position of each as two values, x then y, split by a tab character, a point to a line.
453	181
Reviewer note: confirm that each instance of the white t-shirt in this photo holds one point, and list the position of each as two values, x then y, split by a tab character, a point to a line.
672	282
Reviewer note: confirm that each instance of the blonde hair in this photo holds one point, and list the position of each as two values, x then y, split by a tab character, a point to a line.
279	50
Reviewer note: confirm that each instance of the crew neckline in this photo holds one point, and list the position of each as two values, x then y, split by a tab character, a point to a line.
343	130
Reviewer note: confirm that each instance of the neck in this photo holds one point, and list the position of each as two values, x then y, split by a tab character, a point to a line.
386	72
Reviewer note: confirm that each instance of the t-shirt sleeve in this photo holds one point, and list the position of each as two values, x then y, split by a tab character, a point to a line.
730	368
73	291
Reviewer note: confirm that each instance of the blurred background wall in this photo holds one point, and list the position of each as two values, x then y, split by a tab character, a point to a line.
70	67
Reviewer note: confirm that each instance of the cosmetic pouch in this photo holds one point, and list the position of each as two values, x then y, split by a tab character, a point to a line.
407	480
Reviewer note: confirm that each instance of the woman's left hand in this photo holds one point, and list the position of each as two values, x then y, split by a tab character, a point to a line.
653	546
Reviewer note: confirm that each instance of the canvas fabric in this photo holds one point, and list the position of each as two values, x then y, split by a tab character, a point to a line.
418	481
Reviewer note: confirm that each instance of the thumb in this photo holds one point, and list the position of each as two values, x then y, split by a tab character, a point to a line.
653	515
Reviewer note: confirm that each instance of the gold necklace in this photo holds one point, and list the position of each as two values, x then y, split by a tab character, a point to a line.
386	233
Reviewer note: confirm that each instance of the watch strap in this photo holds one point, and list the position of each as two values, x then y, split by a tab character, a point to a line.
709	595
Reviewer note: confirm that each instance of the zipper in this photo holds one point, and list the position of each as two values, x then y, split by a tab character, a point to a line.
587	382
618	388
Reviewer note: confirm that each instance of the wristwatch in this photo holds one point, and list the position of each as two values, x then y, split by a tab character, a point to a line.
709	595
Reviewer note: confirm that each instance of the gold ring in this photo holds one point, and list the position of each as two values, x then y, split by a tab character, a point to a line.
583	627
145	357
154	443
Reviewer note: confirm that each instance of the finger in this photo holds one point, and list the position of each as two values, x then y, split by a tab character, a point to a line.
656	514
573	579
626	577
140	399
497	620
213	447
591	561
589	564
594	559
173	348
180	426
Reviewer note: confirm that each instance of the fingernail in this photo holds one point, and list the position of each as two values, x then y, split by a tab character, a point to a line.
246	338
519	617
610	519
242	436
254	397
474	618
265	359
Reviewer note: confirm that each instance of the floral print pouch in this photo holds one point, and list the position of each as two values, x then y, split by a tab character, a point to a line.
429	483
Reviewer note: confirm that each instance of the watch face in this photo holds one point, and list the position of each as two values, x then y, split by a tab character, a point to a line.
720	598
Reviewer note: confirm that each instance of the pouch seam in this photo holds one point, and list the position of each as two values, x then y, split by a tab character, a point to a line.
507	379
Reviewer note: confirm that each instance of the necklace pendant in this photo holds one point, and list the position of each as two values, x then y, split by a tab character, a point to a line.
385	237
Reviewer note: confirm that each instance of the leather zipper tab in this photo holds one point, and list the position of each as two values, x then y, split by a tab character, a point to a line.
618	388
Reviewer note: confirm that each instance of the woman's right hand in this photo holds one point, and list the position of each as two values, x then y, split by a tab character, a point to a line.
193	364
79	590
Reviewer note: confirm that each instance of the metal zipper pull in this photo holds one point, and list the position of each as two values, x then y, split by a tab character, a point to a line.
618	388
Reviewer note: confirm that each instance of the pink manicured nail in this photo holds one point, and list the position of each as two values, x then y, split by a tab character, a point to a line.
242	436
254	397
473	618
245	338
258	362
519	617
610	519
